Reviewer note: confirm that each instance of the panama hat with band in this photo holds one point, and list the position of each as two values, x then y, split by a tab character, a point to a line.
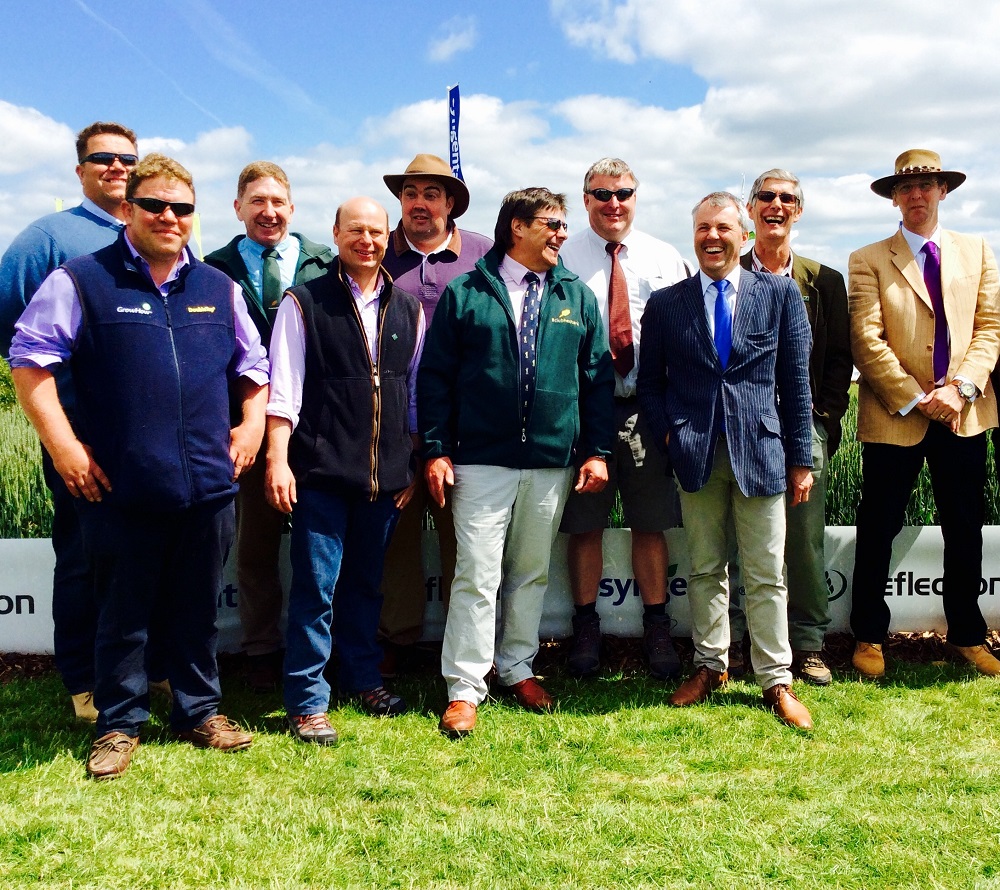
917	162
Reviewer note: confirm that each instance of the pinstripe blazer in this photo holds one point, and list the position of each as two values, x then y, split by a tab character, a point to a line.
763	392
892	333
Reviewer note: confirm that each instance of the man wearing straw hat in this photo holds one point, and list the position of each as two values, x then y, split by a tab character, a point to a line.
427	251
925	333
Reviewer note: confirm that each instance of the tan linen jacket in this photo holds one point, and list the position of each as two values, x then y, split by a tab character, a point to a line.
892	333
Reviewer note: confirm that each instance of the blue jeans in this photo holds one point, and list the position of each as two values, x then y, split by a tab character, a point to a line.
162	571
337	549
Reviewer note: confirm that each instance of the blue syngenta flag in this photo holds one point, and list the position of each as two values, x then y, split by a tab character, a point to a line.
454	155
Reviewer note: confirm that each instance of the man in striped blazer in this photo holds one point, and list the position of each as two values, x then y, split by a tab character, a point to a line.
724	383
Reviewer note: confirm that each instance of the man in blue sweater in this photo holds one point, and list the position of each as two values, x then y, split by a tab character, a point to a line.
106	152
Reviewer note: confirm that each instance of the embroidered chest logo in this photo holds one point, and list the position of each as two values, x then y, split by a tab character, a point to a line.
144	309
564	318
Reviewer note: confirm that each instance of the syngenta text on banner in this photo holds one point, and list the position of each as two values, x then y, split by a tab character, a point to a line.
913	588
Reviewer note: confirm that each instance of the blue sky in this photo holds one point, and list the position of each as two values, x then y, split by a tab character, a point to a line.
695	96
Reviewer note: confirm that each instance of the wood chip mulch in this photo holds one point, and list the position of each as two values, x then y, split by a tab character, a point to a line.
620	655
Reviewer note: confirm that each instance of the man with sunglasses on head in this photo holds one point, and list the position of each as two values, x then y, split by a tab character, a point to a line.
622	266
156	343
265	263
925	333
515	388
105	151
775	206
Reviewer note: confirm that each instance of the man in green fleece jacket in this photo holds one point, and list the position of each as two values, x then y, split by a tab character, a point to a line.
515	390
264	262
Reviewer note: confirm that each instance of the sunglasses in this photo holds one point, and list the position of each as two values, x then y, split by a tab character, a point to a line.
605	195
784	197
107	158
553	223
156	206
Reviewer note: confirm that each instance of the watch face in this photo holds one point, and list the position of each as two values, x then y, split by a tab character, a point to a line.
967	389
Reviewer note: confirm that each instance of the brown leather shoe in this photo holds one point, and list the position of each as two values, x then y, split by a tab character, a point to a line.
110	755
868	660
780	699
218	732
699	686
531	696
83	707
981	659
459	719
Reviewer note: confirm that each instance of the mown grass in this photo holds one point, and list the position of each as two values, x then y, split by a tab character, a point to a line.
897	788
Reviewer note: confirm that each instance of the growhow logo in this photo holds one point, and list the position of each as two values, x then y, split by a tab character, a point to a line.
144	309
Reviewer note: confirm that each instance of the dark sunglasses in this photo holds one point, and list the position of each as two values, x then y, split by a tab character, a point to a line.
605	195
107	158
156	206
553	223
784	197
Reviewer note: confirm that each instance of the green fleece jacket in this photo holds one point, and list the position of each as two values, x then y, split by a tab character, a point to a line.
314	260
468	405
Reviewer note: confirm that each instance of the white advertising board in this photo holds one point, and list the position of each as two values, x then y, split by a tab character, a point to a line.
913	588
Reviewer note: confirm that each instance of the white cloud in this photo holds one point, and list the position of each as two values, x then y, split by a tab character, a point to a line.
460	34
832	91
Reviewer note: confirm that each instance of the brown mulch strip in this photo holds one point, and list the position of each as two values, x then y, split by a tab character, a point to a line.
619	654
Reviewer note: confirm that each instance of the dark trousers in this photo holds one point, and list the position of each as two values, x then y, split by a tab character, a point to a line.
74	606
957	467
162	569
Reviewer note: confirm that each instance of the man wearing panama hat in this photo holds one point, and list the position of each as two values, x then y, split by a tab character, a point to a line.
925	333
426	252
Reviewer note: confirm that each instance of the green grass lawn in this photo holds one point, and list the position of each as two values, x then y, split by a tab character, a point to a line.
898	787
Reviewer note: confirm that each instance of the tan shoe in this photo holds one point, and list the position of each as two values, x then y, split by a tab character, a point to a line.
531	695
459	719
868	660
809	666
110	755
981	658
699	686
83	707
218	732
780	699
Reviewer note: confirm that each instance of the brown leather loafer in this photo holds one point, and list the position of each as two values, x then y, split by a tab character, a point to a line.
218	732
459	719
981	659
531	696
868	660
788	709
83	707
110	755
699	686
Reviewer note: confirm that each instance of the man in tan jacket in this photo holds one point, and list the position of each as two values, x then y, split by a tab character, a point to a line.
925	333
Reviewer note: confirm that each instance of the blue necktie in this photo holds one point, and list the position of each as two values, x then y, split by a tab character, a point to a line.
723	323
527	340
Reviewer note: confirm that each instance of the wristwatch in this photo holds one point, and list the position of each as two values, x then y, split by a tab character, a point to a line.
966	389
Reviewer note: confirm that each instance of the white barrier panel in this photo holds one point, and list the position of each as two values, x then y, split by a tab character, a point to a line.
913	588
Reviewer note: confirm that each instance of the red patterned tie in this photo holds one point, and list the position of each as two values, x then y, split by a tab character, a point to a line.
619	319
